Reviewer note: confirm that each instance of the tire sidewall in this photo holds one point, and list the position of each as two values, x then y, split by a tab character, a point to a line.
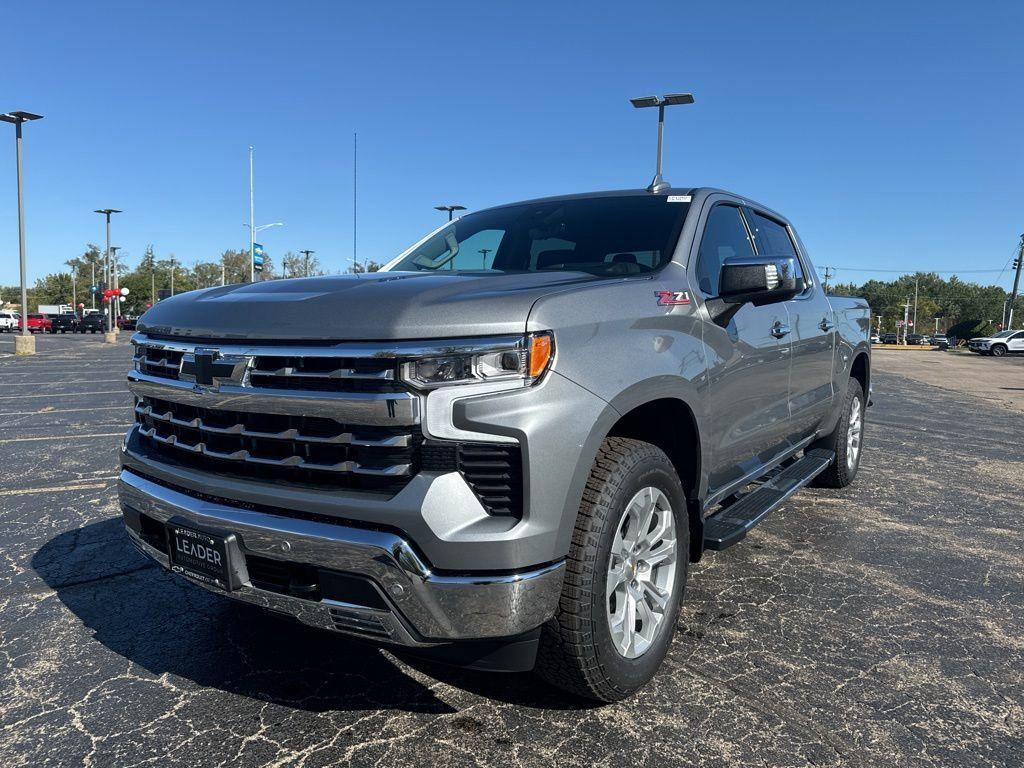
629	674
998	350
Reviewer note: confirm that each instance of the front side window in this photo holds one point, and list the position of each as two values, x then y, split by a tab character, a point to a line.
604	236
725	236
772	239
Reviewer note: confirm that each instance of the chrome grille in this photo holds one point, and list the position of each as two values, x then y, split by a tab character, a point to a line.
323	374
165	363
278	446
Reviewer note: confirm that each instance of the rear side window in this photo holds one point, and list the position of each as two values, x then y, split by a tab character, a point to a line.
725	236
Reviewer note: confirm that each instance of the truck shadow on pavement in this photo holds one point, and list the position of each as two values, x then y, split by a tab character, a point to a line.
166	625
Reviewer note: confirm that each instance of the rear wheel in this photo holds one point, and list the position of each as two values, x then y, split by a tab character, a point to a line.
845	441
625	576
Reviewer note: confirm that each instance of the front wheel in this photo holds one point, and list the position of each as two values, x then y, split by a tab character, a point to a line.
625	575
998	350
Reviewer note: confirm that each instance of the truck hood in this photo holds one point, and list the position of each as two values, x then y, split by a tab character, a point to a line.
376	306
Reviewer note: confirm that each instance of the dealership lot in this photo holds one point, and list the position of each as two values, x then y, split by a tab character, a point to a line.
882	625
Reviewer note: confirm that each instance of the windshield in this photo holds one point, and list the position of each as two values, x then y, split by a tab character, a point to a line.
622	235
1001	334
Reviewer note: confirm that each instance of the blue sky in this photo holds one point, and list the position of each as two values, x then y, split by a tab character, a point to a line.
888	132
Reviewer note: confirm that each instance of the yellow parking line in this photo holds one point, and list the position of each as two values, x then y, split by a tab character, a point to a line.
60	437
54	489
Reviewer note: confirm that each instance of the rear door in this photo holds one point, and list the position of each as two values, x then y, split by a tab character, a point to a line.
813	326
748	361
1016	342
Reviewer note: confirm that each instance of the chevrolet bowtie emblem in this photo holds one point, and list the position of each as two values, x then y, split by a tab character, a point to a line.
208	368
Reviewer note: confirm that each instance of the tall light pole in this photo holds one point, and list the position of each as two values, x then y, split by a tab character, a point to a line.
26	345
658	184
110	315
450	209
115	301
307	254
252	222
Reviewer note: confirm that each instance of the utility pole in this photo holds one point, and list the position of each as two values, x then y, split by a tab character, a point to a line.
906	318
172	275
1016	281
110	304
915	304
252	223
307	253
223	271
355	188
828	275
152	285
92	285
483	253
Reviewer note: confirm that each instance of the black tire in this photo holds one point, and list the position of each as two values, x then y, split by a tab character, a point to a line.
998	350
841	472
576	651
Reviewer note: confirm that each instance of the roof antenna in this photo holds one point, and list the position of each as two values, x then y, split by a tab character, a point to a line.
658	184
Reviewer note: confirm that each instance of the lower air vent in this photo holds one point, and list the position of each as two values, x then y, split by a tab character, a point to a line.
346	620
495	473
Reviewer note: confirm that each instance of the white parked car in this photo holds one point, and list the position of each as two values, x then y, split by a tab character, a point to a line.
998	344
9	321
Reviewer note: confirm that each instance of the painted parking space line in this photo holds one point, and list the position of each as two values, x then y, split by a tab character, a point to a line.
60	437
58	382
46	412
56	489
65	394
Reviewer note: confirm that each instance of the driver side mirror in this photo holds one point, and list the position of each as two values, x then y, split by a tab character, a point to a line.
759	280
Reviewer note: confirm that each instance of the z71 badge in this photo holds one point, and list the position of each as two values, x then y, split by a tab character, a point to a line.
672	298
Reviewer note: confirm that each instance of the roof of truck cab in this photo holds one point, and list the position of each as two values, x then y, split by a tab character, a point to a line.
587	195
641	193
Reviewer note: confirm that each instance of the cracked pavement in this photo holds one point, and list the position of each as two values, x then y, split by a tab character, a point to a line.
881	625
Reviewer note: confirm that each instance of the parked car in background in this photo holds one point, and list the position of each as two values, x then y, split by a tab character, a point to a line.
9	321
940	340
875	338
66	322
94	322
916	339
890	338
39	323
127	322
998	344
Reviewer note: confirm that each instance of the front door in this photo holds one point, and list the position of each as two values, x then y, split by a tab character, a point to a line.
748	362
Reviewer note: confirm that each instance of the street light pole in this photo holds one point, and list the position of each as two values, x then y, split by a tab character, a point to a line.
658	184
115	301
110	304
450	209
22	346
307	253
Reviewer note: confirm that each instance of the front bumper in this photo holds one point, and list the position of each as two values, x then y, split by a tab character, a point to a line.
416	607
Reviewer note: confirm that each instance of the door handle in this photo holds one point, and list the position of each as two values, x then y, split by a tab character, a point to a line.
825	325
779	330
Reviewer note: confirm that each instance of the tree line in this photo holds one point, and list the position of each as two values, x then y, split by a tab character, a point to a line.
962	309
154	276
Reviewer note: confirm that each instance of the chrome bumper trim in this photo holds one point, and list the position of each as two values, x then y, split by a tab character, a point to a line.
429	607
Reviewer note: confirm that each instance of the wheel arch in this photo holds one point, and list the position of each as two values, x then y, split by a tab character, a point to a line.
658	414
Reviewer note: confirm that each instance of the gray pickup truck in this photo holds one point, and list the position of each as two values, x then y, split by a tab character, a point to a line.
505	448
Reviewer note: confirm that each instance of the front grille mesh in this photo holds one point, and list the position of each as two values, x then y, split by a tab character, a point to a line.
269	446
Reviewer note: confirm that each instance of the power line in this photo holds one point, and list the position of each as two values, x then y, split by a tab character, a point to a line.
922	271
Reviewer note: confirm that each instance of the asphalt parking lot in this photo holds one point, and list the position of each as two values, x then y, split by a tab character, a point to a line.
879	626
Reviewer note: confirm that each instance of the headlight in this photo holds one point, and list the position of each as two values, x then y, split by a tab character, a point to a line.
524	359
